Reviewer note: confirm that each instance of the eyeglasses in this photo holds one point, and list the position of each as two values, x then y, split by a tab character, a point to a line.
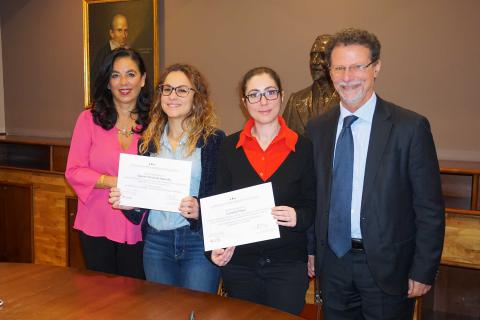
356	68
180	91
256	96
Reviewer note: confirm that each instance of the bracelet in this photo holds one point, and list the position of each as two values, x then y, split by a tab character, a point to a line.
101	182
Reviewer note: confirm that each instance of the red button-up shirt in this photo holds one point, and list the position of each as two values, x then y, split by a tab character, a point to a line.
266	162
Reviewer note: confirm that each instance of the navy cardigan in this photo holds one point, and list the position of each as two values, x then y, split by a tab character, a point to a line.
208	158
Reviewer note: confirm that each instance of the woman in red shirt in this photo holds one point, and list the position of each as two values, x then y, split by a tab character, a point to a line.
272	272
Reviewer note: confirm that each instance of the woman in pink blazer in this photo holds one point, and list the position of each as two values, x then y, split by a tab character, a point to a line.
112	125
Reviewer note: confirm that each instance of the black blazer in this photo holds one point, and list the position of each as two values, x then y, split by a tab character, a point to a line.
402	212
293	185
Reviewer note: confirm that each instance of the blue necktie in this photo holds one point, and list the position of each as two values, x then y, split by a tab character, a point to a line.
339	229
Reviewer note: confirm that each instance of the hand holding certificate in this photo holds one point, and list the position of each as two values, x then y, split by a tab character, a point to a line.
239	217
153	183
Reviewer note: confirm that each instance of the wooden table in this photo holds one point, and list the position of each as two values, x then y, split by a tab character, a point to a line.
32	291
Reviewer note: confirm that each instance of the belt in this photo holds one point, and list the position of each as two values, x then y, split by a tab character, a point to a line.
357	245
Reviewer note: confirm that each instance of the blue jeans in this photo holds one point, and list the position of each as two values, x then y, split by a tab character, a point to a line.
176	257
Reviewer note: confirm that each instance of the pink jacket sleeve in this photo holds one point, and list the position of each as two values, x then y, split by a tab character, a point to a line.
81	177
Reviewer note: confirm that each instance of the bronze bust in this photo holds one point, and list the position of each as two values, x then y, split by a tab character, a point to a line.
317	98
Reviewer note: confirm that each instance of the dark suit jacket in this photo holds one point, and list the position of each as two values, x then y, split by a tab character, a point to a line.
402	213
97	64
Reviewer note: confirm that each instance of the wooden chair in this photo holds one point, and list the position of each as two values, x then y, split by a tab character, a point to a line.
313	307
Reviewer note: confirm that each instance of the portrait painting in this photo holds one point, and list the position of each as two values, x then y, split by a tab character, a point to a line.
110	24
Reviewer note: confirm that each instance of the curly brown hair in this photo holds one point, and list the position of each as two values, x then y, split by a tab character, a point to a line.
200	122
352	36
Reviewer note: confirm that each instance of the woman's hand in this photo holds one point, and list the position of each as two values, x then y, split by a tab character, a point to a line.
285	216
189	208
114	199
222	256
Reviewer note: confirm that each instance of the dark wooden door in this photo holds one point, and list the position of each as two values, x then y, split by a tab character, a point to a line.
16	228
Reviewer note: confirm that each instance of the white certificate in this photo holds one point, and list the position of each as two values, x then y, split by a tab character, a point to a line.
239	217
153	183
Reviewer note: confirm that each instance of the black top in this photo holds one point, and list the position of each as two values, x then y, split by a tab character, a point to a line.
293	185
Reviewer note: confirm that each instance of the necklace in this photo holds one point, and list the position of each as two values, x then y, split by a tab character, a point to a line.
125	132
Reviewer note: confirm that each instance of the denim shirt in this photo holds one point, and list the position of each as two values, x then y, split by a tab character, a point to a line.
166	220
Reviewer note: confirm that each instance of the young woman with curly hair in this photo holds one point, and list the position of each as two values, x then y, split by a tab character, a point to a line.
182	127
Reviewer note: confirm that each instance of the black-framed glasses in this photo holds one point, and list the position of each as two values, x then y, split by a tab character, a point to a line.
256	96
181	91
355	68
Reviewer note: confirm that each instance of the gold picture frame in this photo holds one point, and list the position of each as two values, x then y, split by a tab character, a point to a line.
98	15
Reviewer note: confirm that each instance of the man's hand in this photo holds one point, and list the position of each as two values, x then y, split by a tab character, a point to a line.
311	266
417	289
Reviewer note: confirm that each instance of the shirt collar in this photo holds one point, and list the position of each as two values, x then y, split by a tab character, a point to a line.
164	138
114	45
288	135
365	112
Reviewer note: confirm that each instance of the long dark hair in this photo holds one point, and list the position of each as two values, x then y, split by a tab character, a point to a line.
103	109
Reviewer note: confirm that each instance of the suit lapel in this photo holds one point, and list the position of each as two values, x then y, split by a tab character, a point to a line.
379	135
328	147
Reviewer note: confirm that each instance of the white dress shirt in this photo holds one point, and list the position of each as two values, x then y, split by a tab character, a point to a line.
361	136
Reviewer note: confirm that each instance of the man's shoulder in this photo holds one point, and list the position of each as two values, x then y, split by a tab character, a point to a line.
104	50
400	114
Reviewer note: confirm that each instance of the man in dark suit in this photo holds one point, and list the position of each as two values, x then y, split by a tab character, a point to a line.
380	213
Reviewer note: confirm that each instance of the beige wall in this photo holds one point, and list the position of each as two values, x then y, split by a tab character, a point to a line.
430	53
430	58
2	108
43	65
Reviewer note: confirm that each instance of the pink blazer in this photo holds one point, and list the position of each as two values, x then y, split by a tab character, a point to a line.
93	152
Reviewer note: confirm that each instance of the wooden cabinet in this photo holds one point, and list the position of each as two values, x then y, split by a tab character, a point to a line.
16	240
33	205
